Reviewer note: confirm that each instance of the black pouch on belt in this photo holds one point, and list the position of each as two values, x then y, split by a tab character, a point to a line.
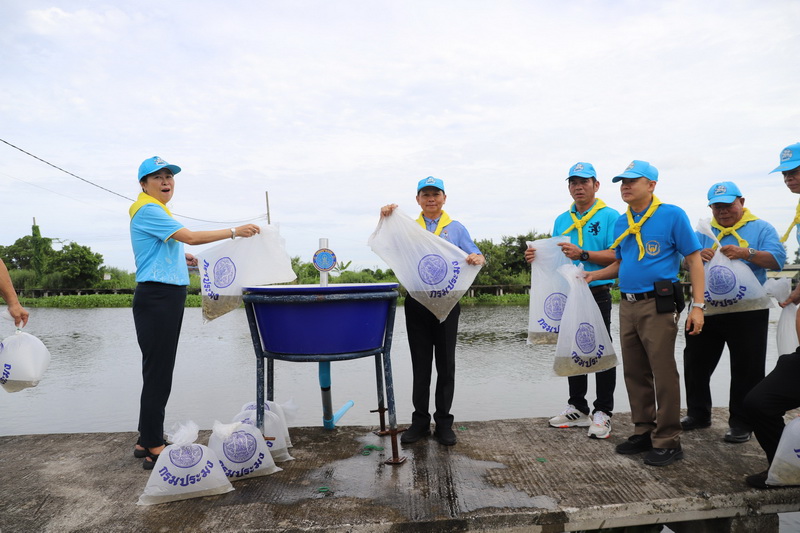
665	296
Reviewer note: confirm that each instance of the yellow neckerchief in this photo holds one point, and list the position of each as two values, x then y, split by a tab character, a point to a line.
635	228
578	224
795	222
142	201
747	216
444	219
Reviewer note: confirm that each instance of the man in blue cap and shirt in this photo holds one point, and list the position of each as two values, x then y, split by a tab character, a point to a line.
652	237
589	223
766	405
743	237
428	339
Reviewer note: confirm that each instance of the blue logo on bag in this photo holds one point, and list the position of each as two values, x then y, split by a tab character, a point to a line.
554	305
721	279
584	337
224	272
239	447
432	269
186	456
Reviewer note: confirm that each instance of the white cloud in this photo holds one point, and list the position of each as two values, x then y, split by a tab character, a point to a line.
338	108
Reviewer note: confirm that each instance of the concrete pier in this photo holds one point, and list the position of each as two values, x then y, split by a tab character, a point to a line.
503	475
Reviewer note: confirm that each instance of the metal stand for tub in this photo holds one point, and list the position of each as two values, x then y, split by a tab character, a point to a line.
303	323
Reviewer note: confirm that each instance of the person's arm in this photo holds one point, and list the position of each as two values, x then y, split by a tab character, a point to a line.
761	259
696	319
190	237
609	272
18	313
599	257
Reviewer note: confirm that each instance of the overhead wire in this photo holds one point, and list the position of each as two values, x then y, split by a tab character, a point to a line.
257	217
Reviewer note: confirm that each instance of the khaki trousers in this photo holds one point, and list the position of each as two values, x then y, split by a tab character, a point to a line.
647	339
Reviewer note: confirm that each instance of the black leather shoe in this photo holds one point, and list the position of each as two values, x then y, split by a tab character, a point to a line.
663	456
414	433
635	444
445	436
737	435
689	423
758	481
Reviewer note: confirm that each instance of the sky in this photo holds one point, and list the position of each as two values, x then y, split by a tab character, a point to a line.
333	109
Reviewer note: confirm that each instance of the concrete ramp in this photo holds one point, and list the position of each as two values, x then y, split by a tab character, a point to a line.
503	475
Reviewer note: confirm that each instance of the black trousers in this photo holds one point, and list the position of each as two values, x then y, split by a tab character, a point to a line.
158	315
606	381
745	334
428	340
768	401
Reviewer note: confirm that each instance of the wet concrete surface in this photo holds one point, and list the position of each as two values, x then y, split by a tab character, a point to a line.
503	475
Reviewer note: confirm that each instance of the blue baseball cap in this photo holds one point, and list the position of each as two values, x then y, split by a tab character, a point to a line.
154	164
582	170
790	158
430	181
638	169
724	192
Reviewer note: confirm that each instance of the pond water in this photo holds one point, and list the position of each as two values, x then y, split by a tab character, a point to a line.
94	379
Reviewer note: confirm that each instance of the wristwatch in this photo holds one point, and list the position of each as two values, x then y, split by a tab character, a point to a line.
752	252
584	256
702	307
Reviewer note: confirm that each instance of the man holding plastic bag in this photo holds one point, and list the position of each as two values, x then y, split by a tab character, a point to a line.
748	246
790	168
766	404
589	223
431	337
652	237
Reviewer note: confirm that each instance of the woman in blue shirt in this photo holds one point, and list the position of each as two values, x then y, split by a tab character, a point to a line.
158	301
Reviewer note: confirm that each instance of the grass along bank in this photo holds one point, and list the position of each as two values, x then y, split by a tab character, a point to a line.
90	301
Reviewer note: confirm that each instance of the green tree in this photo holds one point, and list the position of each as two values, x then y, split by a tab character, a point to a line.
505	262
78	266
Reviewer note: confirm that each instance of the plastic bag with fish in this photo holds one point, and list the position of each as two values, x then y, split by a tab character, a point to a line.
185	470
432	270
584	345
242	450
23	361
548	290
731	286
227	267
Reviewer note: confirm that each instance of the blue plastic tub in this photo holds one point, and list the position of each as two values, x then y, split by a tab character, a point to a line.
310	319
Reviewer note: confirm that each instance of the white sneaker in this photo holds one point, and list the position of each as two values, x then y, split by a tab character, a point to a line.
601	426
570	417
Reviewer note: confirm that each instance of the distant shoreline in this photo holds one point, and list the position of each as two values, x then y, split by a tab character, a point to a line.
92	301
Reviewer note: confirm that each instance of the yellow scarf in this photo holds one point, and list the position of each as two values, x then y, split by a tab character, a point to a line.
142	201
444	220
747	216
795	222
578	224
635	228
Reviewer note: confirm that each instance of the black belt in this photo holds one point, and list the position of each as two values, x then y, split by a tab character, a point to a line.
634	297
600	288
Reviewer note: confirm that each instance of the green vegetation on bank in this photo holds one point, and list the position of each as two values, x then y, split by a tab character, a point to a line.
91	301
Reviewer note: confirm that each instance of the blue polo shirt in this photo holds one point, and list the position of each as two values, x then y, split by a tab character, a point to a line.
598	234
454	233
667	237
158	257
760	235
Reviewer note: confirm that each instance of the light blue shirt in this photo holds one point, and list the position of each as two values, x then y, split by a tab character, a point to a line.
158	257
760	235
454	233
598	235
667	237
